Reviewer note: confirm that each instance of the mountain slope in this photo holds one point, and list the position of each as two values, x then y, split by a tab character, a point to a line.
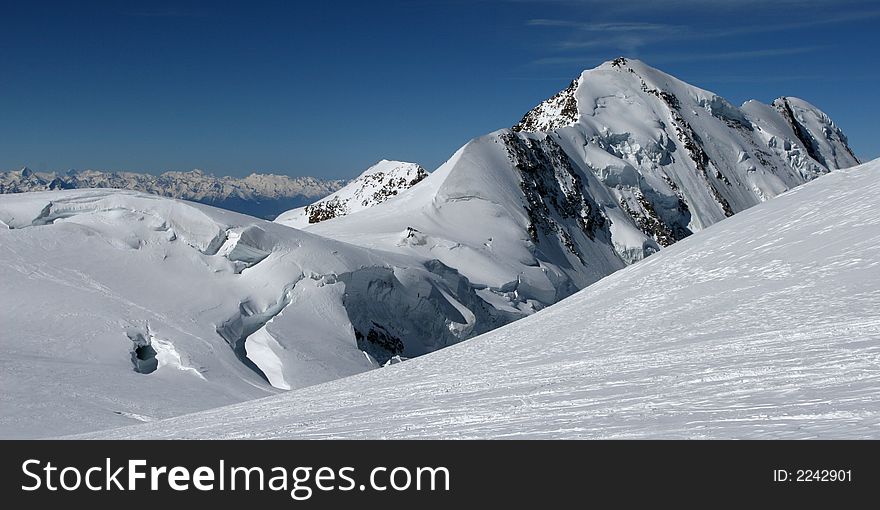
377	184
119	306
260	195
763	326
624	161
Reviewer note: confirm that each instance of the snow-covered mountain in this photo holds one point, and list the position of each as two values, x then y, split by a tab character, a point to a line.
377	184
260	195
180	306
624	161
767	325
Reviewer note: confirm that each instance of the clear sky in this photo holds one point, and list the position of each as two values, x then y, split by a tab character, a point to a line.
328	87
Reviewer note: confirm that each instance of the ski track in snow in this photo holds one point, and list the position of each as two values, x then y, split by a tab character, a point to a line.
762	326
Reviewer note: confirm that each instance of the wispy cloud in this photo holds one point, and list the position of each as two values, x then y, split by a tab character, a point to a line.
574	59
630	37
739	55
796	25
750	78
651	32
693	4
686	57
622	26
167	12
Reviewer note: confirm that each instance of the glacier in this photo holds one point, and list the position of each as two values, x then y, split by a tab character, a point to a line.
762	326
118	304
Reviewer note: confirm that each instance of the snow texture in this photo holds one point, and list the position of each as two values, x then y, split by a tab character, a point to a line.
117	304
763	326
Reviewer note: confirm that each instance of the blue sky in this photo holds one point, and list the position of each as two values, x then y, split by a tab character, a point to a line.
327	88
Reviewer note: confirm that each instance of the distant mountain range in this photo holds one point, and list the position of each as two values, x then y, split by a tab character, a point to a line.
261	195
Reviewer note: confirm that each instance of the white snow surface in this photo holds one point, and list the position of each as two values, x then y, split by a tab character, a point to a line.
116	304
375	185
764	326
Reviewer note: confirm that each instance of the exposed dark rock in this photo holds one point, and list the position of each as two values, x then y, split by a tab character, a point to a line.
378	338
618	62
694	145
323	211
804	136
556	112
553	189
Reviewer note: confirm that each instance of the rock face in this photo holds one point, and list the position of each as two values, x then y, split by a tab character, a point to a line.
559	111
377	184
677	158
260	195
818	134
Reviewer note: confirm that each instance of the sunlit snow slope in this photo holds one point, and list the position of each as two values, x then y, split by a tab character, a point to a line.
375	185
766	325
118	307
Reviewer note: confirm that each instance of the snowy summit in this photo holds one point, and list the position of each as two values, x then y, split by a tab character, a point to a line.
377	184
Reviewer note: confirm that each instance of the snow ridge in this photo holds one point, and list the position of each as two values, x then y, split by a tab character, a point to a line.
377	184
808	123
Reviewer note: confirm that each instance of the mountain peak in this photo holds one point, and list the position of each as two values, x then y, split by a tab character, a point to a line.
620	63
632	65
563	110
388	165
831	148
374	186
559	111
